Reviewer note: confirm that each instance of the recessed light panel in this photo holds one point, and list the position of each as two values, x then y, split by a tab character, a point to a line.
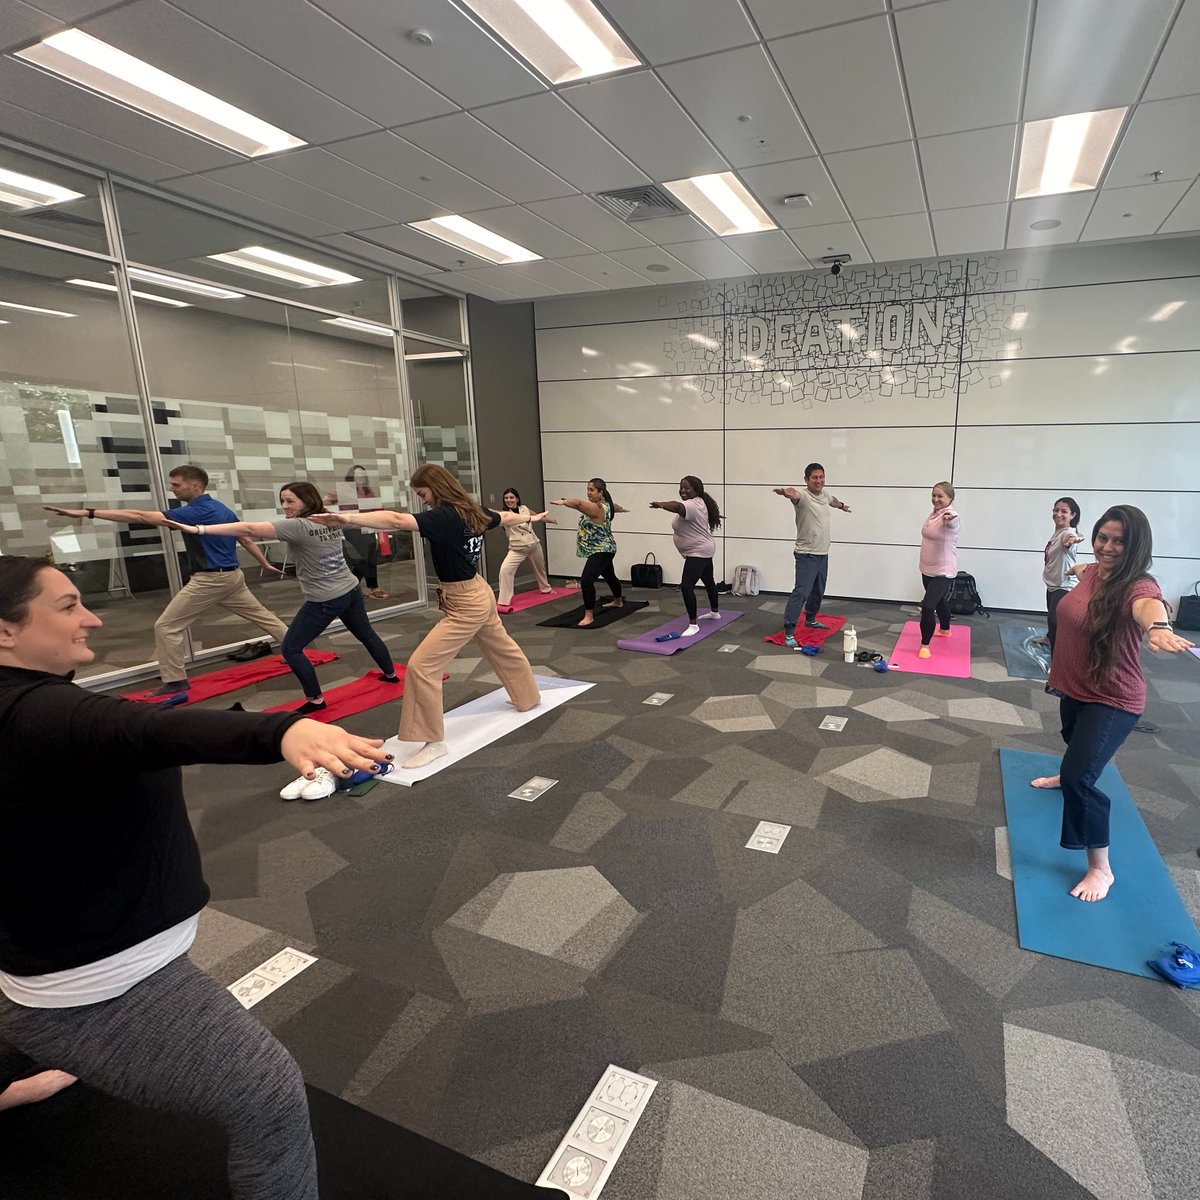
112	287
466	235
23	191
183	285
29	308
722	203
563	39
93	64
360	326
1066	154
263	261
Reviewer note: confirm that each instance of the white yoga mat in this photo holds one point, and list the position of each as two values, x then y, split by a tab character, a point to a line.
478	724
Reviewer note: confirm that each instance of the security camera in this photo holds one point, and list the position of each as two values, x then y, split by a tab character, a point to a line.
835	262
835	268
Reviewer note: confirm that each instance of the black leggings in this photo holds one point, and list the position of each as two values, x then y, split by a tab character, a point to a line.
598	566
937	592
697	570
1052	599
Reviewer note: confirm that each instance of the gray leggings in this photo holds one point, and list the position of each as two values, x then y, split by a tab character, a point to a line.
179	1042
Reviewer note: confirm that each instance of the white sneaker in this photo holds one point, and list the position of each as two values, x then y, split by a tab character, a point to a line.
710	616
293	789
317	789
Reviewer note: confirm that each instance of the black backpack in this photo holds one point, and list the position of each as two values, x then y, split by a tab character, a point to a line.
964	596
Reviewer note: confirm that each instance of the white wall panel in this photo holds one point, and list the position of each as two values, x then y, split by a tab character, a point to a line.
631	548
878	572
634	304
642	457
636	497
665	402
877	515
638	348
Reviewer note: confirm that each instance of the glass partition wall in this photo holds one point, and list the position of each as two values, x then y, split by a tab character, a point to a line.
175	335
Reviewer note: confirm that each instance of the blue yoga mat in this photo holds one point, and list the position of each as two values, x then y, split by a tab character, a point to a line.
1137	920
1022	659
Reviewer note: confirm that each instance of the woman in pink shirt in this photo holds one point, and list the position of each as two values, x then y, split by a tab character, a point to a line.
939	564
1097	673
696	518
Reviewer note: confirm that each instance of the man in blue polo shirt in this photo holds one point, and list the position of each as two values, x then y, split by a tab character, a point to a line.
216	579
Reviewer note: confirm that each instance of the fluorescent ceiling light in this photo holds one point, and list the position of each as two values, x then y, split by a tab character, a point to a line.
93	64
29	308
360	326
1066	154
564	39
431	354
1168	310
466	235
184	285
722	203
112	287
263	261
23	191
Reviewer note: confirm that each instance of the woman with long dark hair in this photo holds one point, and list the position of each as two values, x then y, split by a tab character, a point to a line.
1059	560
697	518
453	524
523	546
1097	673
938	564
596	544
329	588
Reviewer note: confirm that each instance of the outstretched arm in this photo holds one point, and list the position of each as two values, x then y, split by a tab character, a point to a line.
587	507
128	516
513	518
375	518
237	529
671	506
789	492
1149	611
836	503
251	548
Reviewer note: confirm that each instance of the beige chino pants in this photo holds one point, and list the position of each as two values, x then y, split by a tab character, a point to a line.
470	615
512	564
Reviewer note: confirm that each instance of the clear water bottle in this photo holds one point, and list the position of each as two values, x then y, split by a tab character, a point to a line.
849	643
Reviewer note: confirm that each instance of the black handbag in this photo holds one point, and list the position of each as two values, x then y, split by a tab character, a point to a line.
646	574
1188	616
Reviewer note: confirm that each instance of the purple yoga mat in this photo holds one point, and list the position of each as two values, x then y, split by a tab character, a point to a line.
647	645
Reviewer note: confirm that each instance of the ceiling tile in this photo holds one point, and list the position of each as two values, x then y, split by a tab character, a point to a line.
819	240
1175	73
583	218
531	231
847	84
73	10
466	283
1187	213
480	152
312	46
806	176
408	166
712	260
1132	211
638	114
769	252
1091	54
551	274
973	50
339	178
1162	136
464	63
424	248
778	17
749	88
963	169
563	141
174	42
605	271
23	24
667	30
522	287
350	243
241	204
681	228
890	239
970	230
881	182
640	260
1071	210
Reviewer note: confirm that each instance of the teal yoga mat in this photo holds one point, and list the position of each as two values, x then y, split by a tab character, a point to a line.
1141	915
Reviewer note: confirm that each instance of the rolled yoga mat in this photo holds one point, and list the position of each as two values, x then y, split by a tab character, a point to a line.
604	616
1022	659
949	656
531	599
231	679
810	637
1140	916
647	643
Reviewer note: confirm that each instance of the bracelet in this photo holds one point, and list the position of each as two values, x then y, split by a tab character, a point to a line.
200	530
1159	625
91	512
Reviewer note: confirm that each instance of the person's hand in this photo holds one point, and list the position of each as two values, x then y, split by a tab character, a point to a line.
948	516
655	504
845	508
1071	541
559	501
272	569
1168	641
537	517
180	528
310	744
77	513
329	520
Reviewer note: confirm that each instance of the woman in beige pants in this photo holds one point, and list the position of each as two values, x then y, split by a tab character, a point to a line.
454	525
523	547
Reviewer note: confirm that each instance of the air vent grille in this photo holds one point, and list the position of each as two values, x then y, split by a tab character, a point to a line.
643	203
51	216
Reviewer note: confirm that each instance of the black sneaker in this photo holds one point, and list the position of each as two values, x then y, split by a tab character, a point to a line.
312	706
169	689
250	651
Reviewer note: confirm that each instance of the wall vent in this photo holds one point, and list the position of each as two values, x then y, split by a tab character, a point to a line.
643	203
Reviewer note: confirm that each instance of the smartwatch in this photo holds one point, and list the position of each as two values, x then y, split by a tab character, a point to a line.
91	512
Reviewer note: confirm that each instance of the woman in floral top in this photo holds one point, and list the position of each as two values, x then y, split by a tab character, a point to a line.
597	544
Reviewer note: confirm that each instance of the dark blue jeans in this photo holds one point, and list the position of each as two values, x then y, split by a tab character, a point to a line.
313	618
811	572
1093	733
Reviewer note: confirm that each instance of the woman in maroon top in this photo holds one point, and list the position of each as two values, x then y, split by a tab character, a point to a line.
1097	672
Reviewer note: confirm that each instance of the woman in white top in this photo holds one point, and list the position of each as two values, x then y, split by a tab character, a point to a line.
696	519
523	546
1060	558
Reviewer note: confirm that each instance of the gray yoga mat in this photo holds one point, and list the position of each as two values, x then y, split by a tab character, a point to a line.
1022	658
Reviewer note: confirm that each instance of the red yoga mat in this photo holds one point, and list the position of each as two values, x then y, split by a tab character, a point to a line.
811	637
531	599
231	679
357	696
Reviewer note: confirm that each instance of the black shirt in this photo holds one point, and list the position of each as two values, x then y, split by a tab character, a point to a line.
96	859
454	548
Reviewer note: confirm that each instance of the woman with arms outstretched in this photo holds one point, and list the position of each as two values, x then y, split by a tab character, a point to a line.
697	518
523	546
596	544
1057	572
938	564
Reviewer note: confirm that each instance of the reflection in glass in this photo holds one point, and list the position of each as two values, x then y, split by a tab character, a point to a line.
45	200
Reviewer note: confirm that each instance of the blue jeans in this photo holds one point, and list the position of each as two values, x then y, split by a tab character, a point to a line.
1093	733
313	618
811	572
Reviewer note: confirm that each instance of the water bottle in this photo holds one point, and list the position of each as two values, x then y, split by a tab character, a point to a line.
849	643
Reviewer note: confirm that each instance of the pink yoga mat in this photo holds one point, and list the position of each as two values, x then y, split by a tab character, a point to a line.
646	643
950	656
531	599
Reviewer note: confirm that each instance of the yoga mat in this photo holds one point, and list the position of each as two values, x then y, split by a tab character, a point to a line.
647	645
604	616
1140	916
1194	650
230	679
524	600
1022	659
951	656
472	726
810	637
357	696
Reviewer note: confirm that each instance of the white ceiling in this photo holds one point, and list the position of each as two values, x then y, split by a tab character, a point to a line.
900	119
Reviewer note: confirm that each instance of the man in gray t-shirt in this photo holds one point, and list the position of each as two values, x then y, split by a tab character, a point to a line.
812	507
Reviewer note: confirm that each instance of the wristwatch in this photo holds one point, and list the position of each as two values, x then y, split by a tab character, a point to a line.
91	512
1159	625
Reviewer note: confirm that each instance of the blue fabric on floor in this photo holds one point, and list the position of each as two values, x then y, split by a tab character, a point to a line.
1022	659
1139	918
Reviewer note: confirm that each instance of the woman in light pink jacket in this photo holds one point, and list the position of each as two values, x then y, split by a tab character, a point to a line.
939	564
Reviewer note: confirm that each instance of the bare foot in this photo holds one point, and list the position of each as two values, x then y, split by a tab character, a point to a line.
942	632
588	620
924	652
1094	885
614	603
1045	781
37	1087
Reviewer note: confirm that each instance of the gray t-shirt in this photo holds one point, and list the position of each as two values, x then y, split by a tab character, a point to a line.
1060	558
812	522
320	563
